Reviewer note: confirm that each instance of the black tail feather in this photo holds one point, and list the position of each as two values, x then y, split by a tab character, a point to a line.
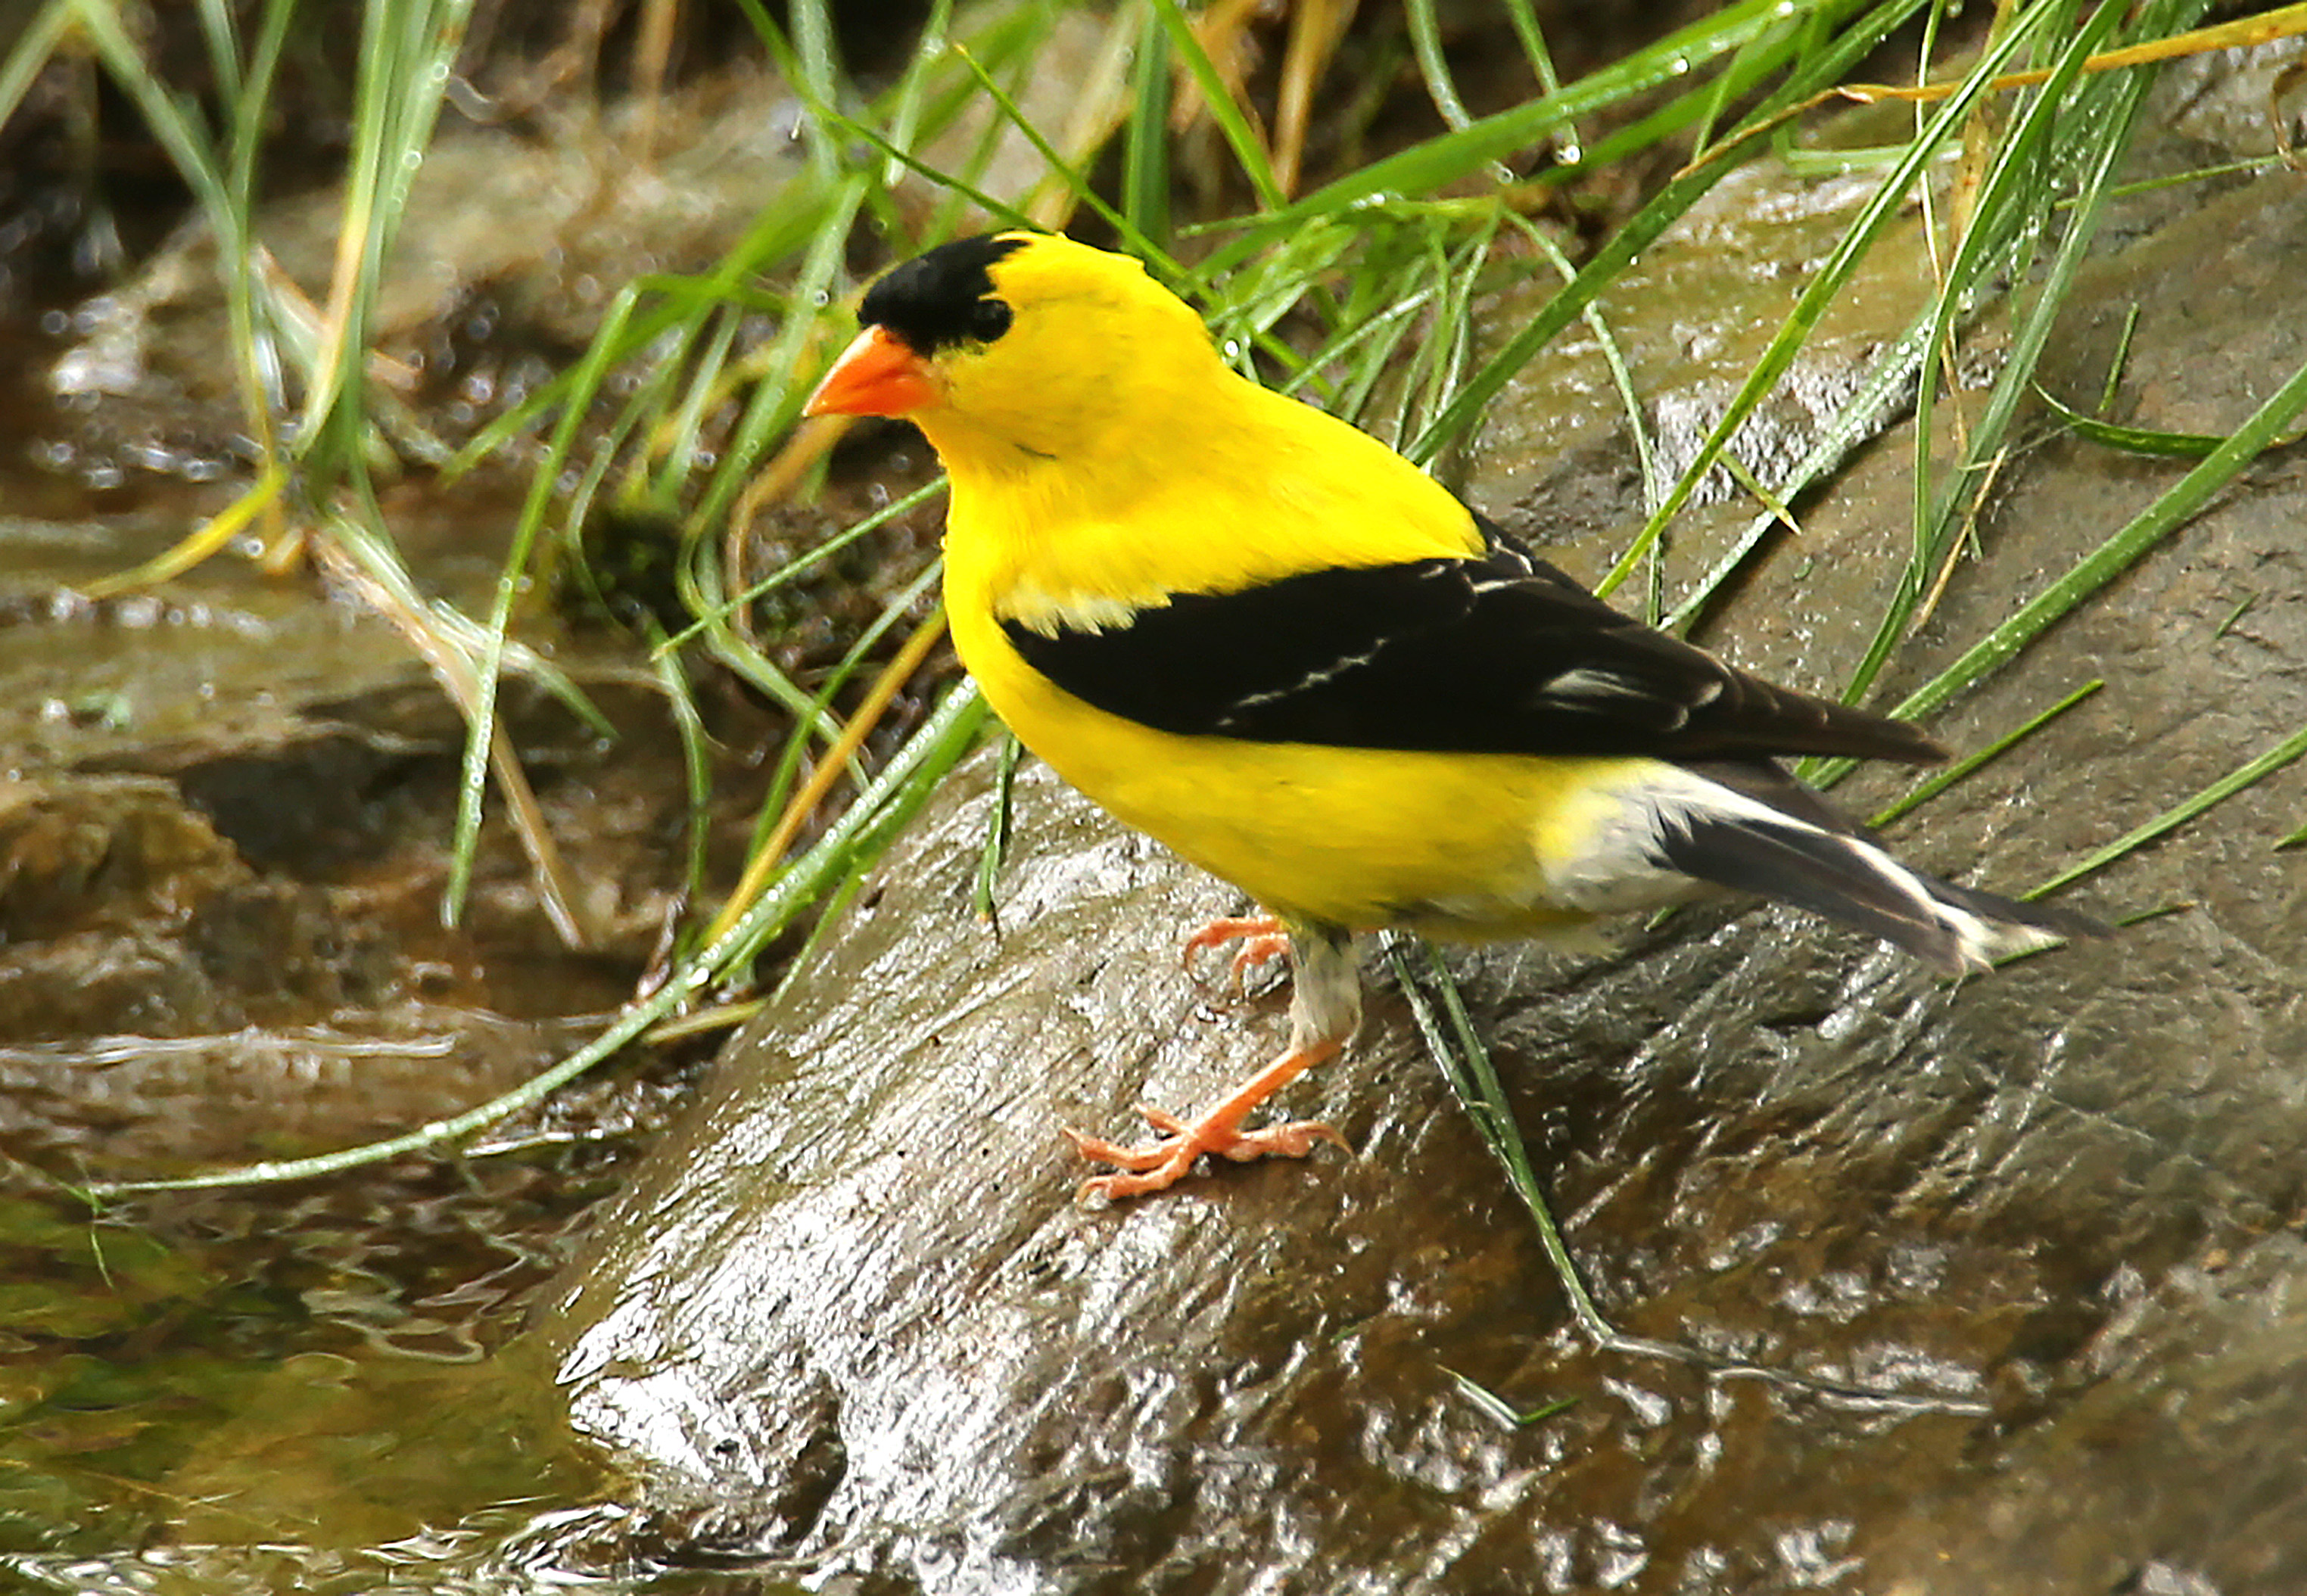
1841	875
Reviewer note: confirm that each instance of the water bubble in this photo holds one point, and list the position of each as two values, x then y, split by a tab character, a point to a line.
102	311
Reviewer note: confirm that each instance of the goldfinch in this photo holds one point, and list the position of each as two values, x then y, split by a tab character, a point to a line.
1269	641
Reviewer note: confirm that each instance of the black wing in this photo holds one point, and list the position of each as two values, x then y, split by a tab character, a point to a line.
1501	654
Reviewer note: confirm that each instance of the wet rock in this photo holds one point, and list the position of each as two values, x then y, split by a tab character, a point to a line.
221	814
1699	308
848	1314
2173	1469
862	1250
1554	457
74	854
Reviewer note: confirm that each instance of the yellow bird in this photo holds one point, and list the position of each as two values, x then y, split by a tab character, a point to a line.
1266	640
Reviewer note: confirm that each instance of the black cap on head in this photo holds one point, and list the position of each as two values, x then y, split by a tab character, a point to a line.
944	298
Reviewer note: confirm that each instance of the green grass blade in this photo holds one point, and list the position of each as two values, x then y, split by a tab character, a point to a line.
1532	39
1455	1044
1145	139
2266	764
30	56
1676	198
1833	273
1076	182
1439	163
1248	153
1426	44
896	794
2170	510
2015	201
1925	792
2139	440
1498	1408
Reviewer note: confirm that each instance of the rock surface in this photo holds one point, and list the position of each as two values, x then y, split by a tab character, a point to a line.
849	1313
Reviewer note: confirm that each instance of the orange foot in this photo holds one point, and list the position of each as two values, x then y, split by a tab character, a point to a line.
1262	941
1162	1163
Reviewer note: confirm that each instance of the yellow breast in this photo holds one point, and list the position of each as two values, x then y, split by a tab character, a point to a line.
1445	843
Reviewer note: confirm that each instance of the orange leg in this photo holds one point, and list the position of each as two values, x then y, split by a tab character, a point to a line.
1162	1163
1262	941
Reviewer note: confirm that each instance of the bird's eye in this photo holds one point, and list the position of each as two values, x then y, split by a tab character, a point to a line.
989	319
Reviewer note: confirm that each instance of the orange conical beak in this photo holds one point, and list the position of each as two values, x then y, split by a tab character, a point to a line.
876	376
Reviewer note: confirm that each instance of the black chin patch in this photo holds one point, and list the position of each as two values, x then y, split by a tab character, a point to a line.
944	298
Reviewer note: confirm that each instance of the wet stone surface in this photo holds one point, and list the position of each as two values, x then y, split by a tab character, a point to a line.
849	1316
224	807
851	1305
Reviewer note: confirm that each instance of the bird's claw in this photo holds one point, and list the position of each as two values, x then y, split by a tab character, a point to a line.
1262	941
1159	1165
